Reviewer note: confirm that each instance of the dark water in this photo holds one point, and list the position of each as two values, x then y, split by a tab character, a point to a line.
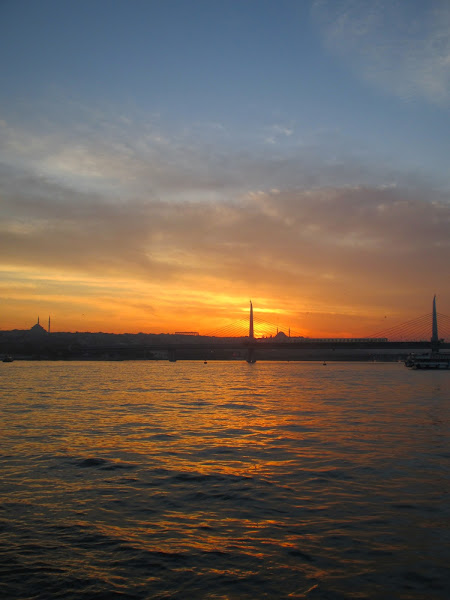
188	481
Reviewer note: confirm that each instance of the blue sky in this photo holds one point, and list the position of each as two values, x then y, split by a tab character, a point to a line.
159	123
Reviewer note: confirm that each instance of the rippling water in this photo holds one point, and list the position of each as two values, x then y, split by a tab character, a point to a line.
160	480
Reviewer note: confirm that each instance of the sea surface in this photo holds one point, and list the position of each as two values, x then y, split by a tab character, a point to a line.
275	480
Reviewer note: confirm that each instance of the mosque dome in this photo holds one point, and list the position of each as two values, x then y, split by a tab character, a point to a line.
37	329
281	336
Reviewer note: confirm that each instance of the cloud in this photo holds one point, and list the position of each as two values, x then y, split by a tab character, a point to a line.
277	132
401	47
123	158
335	242
301	228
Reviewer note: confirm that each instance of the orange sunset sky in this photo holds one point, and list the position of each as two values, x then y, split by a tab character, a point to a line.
179	163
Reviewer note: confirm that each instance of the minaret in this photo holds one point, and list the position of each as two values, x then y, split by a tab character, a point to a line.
250	332
434	330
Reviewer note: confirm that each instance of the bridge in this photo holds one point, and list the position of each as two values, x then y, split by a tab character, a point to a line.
395	343
237	341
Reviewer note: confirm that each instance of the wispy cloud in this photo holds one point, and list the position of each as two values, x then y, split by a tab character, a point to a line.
130	156
158	215
277	132
326	242
401	47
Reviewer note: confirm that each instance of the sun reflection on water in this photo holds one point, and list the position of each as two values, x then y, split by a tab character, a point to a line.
273	480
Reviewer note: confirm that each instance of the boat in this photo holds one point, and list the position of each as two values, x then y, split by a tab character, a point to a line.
433	360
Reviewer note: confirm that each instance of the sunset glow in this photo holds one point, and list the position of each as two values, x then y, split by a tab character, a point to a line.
180	162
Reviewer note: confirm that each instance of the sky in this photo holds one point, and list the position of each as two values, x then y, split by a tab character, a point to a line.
162	162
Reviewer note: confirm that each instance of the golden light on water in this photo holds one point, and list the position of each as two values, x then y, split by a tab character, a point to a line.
273	476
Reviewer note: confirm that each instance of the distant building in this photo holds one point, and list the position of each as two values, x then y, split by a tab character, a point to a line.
195	333
37	330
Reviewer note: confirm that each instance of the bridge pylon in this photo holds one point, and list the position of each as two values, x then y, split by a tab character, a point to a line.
251	336
434	329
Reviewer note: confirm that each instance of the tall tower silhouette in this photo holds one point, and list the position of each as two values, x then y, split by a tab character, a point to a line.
251	336
434	329
250	331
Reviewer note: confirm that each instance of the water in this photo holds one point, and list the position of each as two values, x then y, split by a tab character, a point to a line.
159	480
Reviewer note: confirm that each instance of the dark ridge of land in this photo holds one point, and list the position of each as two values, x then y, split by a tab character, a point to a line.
38	344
